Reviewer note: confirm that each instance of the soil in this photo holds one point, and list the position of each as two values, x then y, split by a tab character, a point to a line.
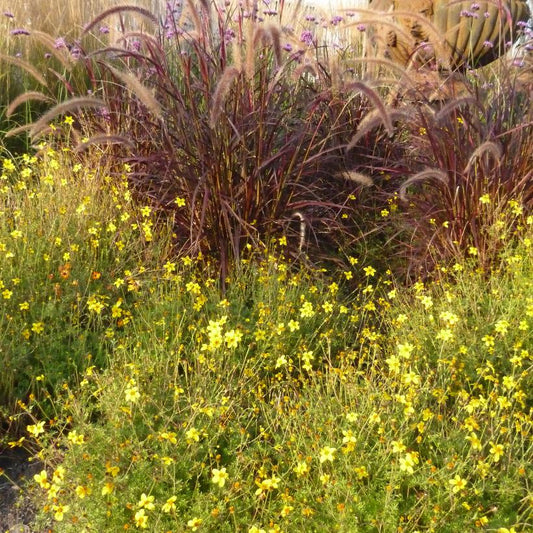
16	509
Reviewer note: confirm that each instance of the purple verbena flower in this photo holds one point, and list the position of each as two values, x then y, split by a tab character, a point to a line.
75	52
336	20
60	43
487	44
307	37
104	29
9	15
361	27
19	31
229	35
287	47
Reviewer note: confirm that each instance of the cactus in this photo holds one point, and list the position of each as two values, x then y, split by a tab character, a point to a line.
457	35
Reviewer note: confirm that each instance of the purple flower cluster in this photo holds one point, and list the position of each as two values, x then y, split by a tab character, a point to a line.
229	35
307	37
19	31
469	14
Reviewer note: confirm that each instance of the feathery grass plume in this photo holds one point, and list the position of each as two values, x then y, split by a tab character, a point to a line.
255	35
195	15
357	177
74	104
228	76
454	104
236	49
13	132
26	97
421	176
302	220
104	139
260	36
28	67
335	74
489	148
275	35
373	96
300	70
141	91
120	9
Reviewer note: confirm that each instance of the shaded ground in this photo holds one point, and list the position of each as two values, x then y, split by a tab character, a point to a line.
16	511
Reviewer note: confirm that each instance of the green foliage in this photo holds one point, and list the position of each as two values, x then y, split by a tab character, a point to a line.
279	405
66	236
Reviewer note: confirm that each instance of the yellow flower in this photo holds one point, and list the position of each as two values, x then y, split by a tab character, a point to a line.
286	510
36	429
194	523
232	338
193	435
398	446
59	511
219	476
349	440
307	311
474	441
75	438
42	479
327	454
361	472
59	474
496	450
146	502
180	202
266	485
408	462
394	364
301	469
108	488
293	325
141	520
369	271
132	394
501	326
82	491
37	327
169	506
457	483
411	378
405	350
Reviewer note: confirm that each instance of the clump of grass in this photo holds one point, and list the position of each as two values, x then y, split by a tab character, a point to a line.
227	134
469	162
67	234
